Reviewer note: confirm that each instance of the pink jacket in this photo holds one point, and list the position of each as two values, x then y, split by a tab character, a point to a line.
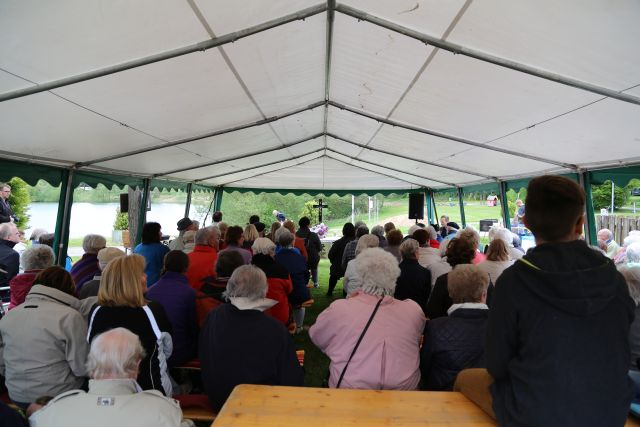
389	355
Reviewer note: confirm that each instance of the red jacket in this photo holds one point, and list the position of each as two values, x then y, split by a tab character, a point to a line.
202	261
278	290
20	286
299	243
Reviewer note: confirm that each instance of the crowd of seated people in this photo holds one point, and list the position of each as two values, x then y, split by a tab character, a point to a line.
419	309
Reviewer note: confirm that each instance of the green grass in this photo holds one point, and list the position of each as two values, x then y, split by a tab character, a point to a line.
316	364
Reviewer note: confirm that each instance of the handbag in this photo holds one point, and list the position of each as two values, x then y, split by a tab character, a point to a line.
358	342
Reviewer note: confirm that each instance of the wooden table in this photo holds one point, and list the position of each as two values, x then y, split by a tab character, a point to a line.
254	405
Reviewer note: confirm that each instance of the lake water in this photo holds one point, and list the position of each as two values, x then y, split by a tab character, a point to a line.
98	218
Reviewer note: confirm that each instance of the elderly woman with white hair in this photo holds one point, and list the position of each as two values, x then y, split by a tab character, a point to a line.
87	266
415	280
378	231
631	274
239	344
456	342
295	264
33	261
352	280
621	256
506	236
278	280
372	339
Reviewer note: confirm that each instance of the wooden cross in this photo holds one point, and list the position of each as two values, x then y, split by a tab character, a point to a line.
319	206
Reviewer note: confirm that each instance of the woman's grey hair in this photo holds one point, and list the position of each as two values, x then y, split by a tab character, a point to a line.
433	234
107	254
378	230
633	237
205	234
632	252
471	235
247	281
264	246
466	283
36	233
284	237
37	257
632	276
408	248
367	241
501	233
115	354
378	270
92	243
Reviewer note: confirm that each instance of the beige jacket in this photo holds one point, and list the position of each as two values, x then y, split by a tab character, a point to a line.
43	345
110	403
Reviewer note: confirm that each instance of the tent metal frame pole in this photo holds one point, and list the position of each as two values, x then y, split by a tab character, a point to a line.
244	156
485	57
504	205
162	56
382	167
206	135
217	201
331	14
142	216
61	240
435	208
584	178
259	166
427	198
417	160
463	219
278	169
391	169
450	137
187	206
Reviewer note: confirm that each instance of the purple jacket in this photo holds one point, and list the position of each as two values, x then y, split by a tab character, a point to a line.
84	269
389	355
178	299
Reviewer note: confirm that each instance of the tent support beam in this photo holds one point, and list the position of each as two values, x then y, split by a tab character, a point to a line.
428	194
425	131
485	57
504	205
197	47
217	199
584	178
61	239
370	170
142	218
389	153
187	206
391	169
331	14
261	166
244	156
463	219
278	169
203	136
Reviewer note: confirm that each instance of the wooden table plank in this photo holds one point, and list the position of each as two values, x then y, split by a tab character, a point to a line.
251	405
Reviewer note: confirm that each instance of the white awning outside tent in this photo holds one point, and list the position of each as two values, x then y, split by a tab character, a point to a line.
360	94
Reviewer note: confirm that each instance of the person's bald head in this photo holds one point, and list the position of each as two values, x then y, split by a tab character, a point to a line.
115	354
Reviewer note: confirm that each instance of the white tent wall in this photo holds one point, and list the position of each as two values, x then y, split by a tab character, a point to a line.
400	112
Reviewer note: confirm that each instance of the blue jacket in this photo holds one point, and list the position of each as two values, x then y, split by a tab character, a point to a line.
297	268
153	254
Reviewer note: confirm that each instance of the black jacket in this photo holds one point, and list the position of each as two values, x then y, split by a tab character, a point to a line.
452	344
245	347
413	283
6	213
9	262
313	245
557	339
335	255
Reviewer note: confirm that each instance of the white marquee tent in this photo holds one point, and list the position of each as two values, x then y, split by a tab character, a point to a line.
320	96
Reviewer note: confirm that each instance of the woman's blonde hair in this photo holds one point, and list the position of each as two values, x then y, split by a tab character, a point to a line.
497	251
121	282
250	233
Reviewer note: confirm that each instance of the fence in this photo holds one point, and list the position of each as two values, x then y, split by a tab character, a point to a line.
619	225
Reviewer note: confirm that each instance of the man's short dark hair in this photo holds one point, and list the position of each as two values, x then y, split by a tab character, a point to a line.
227	262
349	230
176	261
361	231
422	236
253	219
304	222
217	216
234	233
553	206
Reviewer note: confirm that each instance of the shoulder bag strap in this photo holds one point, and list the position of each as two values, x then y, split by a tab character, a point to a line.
358	342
